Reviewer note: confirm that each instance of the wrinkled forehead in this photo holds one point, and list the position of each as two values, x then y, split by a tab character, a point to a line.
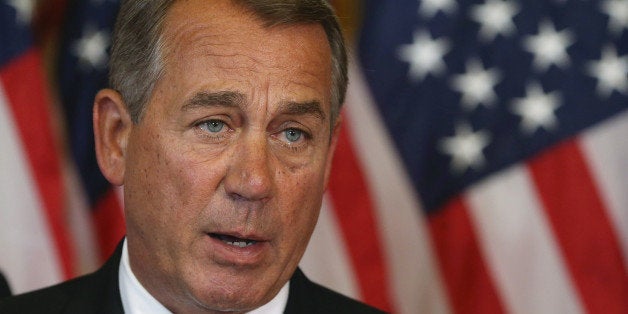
220	25
228	40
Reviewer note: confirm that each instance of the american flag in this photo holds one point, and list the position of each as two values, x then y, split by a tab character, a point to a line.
34	236
59	218
82	71
507	122
481	166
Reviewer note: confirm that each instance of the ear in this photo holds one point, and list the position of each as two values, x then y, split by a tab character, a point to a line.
333	142
112	127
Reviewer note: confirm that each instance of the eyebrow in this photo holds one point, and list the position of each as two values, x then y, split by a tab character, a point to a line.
238	100
215	99
312	108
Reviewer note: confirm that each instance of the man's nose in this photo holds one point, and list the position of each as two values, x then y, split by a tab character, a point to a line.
250	176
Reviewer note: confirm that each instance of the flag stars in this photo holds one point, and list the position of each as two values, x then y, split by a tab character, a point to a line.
476	85
425	55
617	11
91	49
611	72
549	46
24	10
466	148
537	109
429	8
495	18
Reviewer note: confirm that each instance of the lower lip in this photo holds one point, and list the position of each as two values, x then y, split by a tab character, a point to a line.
231	255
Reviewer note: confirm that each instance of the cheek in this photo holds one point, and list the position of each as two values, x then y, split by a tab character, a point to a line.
164	186
301	197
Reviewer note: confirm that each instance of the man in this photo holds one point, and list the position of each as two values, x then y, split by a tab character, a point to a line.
221	124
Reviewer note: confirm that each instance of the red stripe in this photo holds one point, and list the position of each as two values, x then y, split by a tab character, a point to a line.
582	227
470	286
28	99
355	212
108	222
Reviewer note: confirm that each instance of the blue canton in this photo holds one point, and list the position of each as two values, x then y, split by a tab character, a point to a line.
468	88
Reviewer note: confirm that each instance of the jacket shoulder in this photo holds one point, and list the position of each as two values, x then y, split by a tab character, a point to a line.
53	299
309	297
94	293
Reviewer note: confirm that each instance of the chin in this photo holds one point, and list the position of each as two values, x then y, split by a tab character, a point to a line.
225	296
230	302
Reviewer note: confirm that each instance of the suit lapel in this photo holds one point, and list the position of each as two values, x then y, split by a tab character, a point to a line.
301	299
102	295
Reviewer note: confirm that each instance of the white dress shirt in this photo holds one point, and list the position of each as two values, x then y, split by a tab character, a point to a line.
136	300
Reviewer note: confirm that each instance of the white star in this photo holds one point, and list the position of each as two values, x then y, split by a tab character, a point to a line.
476	85
537	109
91	49
495	18
24	10
429	8
611	72
425	55
617	11
465	148
549	46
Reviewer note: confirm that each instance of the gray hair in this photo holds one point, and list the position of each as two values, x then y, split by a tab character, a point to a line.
136	55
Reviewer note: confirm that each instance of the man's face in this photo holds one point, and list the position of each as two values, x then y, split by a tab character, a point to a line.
224	174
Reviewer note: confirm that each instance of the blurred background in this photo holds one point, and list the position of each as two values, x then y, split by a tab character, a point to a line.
482	166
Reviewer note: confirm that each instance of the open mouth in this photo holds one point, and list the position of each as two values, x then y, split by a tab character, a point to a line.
231	240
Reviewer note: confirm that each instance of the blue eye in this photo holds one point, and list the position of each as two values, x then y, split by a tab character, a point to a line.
293	135
213	126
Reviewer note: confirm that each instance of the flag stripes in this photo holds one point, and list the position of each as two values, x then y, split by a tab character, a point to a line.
336	268
467	111
469	281
606	153
354	211
581	227
81	71
414	274
512	230
544	235
515	240
28	100
108	220
25	238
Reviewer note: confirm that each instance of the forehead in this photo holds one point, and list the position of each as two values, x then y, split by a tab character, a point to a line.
218	38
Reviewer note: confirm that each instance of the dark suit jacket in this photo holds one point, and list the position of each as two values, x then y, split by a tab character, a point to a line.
99	293
4	287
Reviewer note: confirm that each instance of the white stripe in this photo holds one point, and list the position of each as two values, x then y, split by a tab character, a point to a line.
606	148
519	246
326	259
28	257
416	283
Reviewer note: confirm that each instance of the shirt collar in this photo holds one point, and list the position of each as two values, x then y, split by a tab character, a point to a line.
137	300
